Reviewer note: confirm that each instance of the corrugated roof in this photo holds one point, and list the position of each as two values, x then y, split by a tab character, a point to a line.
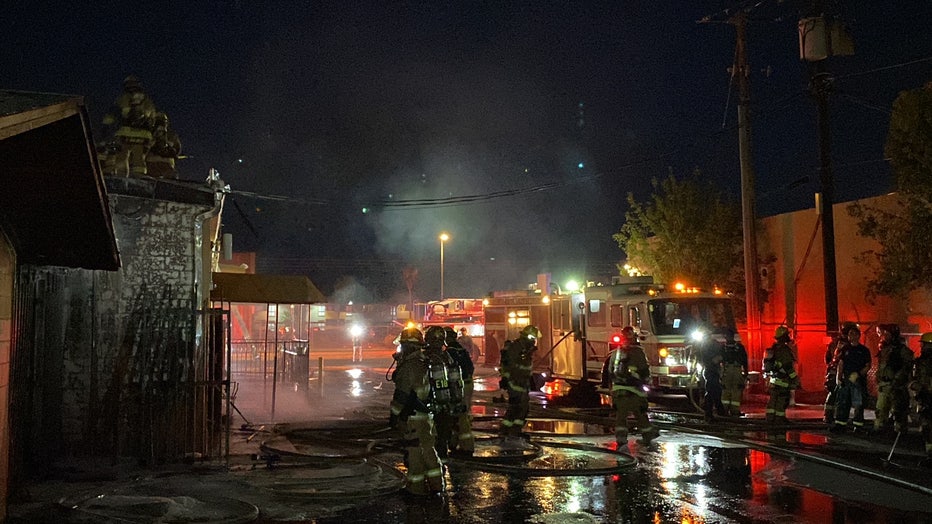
53	202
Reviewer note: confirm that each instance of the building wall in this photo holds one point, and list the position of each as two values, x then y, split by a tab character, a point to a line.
121	331
798	293
7	266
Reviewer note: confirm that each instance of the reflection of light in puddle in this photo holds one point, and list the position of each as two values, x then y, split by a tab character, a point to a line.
574	504
355	389
354	373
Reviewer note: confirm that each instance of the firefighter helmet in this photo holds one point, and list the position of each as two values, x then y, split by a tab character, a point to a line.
628	334
131	84
411	335
435	335
848	326
530	332
893	329
782	332
926	338
450	334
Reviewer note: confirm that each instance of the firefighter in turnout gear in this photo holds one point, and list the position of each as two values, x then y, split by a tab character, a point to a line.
920	388
851	379
462	441
711	358
515	369
166	147
779	366
894	365
832	356
446	388
734	372
626	373
409	408
133	120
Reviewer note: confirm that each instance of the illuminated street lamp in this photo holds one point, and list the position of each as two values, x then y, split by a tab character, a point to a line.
443	238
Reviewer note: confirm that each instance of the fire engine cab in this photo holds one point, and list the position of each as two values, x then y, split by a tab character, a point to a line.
577	327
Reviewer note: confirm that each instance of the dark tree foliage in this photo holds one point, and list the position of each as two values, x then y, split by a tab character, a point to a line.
903	261
686	231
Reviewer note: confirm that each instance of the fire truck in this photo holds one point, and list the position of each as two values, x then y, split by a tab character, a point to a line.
577	326
457	313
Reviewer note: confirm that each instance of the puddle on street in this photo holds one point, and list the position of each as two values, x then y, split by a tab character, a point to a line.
695	478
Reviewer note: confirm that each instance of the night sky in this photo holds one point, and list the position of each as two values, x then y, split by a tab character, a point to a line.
516	127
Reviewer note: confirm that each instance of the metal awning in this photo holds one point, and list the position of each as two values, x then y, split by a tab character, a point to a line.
53	203
265	289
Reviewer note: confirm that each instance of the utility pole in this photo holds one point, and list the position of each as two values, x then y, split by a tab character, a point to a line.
819	38
749	219
821	86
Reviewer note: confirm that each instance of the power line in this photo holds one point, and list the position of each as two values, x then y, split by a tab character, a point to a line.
894	66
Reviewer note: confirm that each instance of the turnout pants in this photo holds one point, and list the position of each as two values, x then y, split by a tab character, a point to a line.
732	389
424	471
630	403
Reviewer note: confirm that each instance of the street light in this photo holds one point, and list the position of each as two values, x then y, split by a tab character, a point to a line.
443	238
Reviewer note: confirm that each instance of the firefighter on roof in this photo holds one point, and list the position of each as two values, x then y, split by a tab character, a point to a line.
133	117
515	370
409	408
779	365
626	372
166	147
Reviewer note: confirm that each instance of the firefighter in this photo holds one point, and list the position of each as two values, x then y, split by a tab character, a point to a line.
409	408
160	161
626	372
462	441
832	356
515	370
854	362
894	365
920	388
779	365
734	372
711	355
446	387
133	117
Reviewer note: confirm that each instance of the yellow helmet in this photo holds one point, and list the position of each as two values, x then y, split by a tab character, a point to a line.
412	335
530	332
781	332
926	338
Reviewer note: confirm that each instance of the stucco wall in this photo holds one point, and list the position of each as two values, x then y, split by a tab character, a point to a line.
7	267
798	292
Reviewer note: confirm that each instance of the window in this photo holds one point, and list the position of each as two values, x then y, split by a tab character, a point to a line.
676	316
634	317
596	313
618	315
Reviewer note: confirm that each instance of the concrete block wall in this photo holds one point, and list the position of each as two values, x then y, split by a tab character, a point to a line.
156	240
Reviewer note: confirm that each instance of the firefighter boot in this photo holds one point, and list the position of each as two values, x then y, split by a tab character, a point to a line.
649	434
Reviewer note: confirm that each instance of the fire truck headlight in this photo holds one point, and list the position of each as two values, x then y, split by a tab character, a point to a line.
670	361
663	353
697	336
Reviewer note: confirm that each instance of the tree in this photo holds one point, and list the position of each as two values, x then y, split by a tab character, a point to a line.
409	274
903	262
686	231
